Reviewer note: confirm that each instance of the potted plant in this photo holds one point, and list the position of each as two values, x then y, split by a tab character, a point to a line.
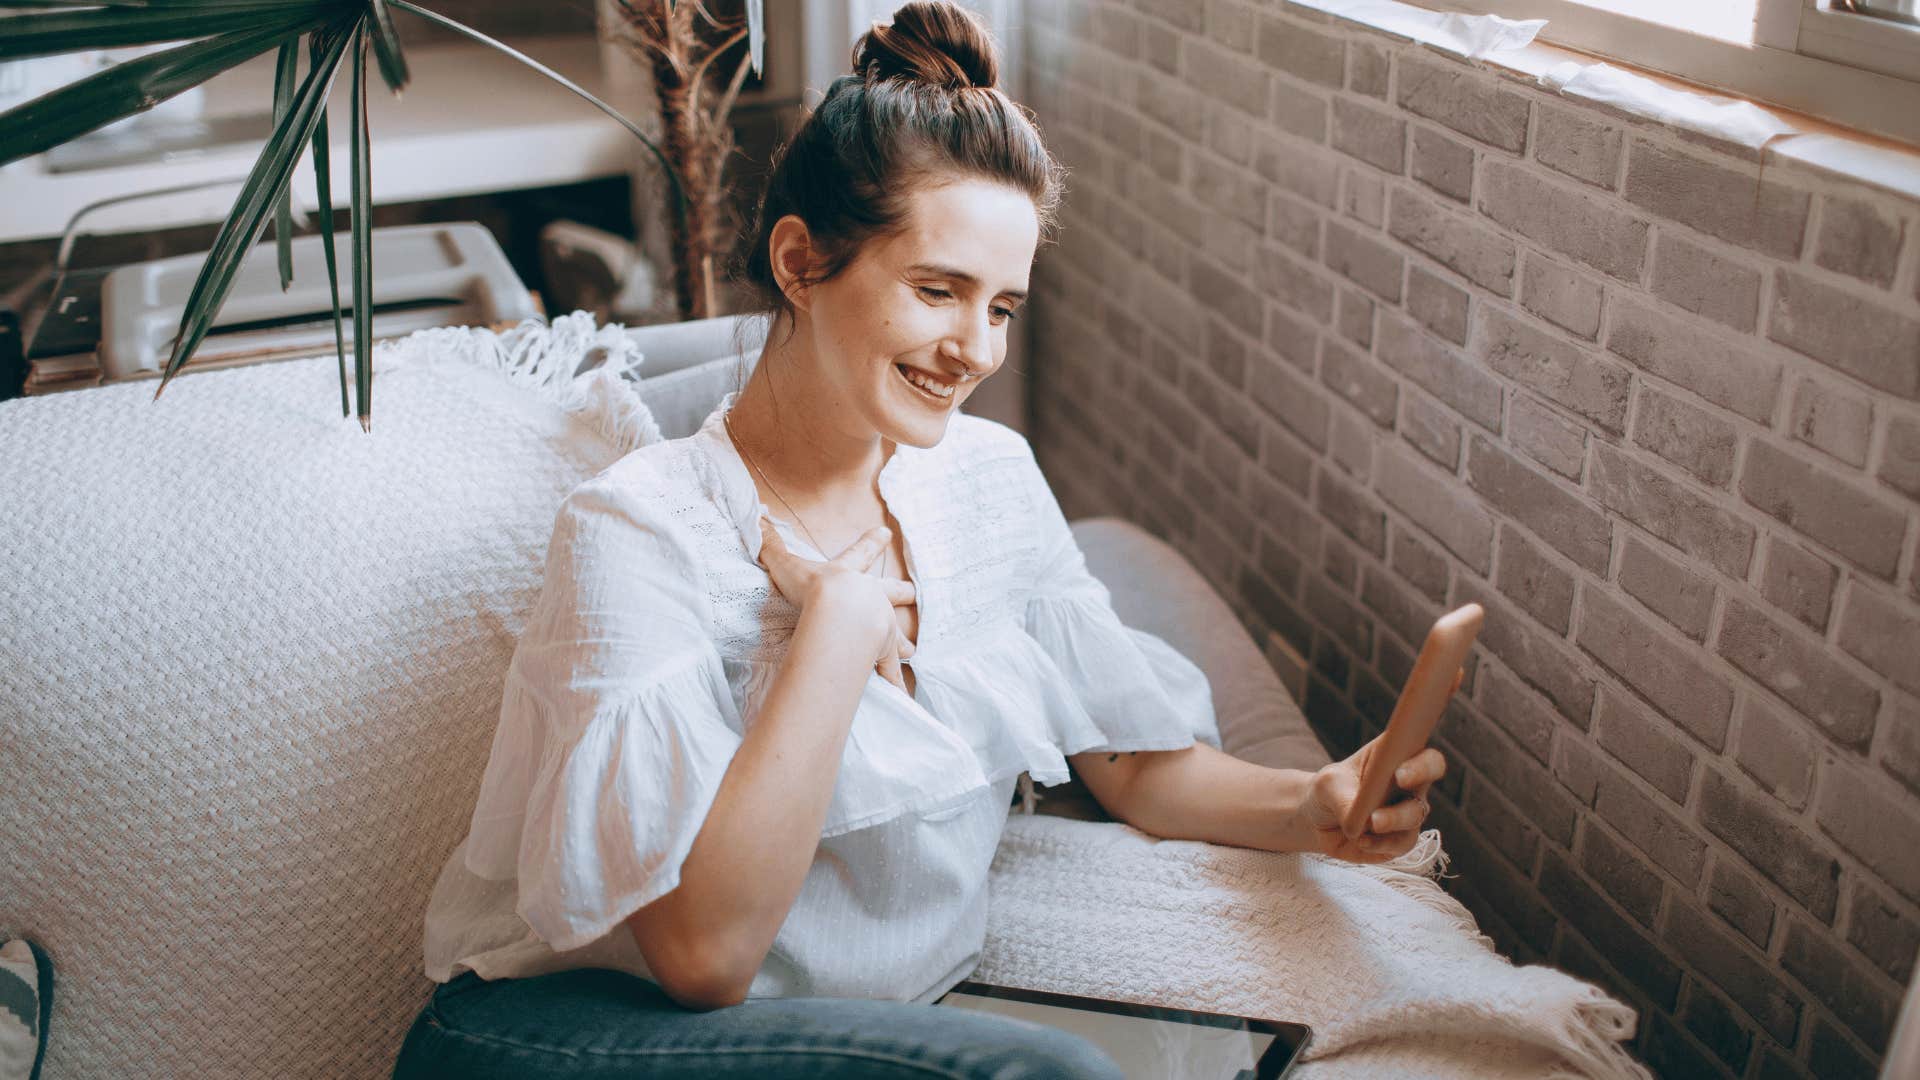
219	35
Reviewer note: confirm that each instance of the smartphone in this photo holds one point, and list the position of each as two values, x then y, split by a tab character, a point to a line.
1417	712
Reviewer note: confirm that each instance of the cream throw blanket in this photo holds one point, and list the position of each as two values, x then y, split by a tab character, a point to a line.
1392	973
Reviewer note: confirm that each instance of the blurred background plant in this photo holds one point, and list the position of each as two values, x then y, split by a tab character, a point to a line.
222	34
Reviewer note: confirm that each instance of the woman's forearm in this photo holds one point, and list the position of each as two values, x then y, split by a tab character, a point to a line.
746	867
1200	793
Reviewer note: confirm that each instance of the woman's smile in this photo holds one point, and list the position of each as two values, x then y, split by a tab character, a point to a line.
927	387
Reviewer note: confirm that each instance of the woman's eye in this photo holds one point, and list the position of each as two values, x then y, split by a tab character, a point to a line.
930	290
1003	313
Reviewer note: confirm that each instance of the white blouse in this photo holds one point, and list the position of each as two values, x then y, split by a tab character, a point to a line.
654	640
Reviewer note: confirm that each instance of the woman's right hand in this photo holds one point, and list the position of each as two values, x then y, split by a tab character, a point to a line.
842	590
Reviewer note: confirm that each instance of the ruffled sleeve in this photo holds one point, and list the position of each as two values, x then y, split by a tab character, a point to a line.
616	725
1140	692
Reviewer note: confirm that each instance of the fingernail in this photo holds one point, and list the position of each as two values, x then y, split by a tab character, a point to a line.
1400	774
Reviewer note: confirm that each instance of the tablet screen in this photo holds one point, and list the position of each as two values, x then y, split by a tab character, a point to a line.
1150	1042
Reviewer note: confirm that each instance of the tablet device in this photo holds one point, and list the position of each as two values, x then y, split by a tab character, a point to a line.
1417	712
1151	1042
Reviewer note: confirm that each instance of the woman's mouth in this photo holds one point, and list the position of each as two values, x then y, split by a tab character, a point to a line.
926	385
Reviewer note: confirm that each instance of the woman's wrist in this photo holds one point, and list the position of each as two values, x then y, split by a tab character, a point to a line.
1291	810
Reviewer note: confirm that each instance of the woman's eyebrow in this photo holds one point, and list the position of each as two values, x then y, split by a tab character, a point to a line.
960	275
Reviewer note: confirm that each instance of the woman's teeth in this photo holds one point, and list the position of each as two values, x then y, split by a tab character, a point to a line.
926	382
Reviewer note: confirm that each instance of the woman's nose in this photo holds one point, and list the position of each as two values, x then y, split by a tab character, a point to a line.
973	344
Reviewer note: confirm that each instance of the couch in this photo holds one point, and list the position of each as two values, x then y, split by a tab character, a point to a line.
254	658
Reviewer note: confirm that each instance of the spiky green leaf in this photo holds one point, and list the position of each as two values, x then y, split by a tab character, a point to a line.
286	69
107	28
362	235
323	189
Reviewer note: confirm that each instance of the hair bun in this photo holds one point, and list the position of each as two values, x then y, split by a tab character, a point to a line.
931	41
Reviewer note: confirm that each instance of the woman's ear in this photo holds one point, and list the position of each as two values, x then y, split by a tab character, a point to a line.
790	255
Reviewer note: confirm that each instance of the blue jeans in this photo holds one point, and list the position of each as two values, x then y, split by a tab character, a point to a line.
595	1022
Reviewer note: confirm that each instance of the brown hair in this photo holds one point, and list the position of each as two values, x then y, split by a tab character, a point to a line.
921	105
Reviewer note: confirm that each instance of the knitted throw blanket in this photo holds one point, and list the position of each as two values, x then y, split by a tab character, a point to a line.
1391	973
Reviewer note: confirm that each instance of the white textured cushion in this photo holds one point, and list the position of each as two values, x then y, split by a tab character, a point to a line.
681	400
254	657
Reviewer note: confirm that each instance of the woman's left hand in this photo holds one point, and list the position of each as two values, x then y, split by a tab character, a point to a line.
1392	829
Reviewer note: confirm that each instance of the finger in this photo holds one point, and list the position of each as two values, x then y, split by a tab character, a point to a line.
1399	817
1387	846
889	668
1422	769
770	543
900	591
862	552
901	646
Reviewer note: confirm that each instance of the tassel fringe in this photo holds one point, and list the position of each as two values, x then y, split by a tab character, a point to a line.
544	359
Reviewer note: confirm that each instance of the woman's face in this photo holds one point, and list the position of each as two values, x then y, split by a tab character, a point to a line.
934	300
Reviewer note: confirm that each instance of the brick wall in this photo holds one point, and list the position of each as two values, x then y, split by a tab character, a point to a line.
1368	332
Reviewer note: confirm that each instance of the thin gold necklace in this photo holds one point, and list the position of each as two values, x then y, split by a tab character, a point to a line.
727	419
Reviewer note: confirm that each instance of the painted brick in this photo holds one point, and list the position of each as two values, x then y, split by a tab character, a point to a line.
1224	293
1312	175
1508	703
1352	440
1772	843
1367	69
1519	778
1292	401
1186	16
1728	203
1297	113
1798	582
1645	746
1539	433
1900	463
1161	46
1801	672
1438	504
1465	101
1570	222
1586	383
1439	370
1339	614
1886	935
1712	1020
1672	591
1624	945
1871	342
1502	824
1689	693
1300	52
1355	317
1883	634
1458	243
1241	196
1829	419
1839	982
1577	767
1902	756
1420	564
1646	823
1279	509
1730	374
1689	275
1231	24
1730	966
1578	146
1374	136
1530	653
1443	164
1365	199
1293	338
1690	437
1573	526
1367	262
1430	429
1741	901
1621	873
1862	527
1165	155
1508	894
1832	1055
1280	276
1351	512
1223	76
1858	240
1354	377
1441	306
1560	296
1777	754
1534	581
1671	511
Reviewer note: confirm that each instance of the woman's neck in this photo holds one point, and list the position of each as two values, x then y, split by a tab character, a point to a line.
792	424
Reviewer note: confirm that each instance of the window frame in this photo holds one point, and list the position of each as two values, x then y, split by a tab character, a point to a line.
1806	57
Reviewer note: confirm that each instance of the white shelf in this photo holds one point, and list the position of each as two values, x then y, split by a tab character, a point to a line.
471	120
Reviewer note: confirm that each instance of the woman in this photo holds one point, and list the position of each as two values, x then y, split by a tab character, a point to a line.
751	766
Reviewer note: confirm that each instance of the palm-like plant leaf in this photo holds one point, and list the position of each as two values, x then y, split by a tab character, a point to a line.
323	188
386	45
66	31
362	236
137	85
262	188
286	69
